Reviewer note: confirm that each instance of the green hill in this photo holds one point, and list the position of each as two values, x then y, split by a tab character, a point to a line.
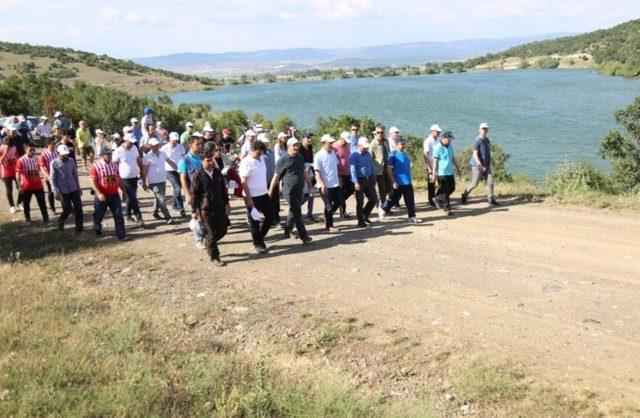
614	51
67	65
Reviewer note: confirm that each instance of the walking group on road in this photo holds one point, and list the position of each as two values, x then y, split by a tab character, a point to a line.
206	169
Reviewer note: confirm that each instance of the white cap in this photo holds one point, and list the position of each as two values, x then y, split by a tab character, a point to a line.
208	129
21	119
292	141
363	142
484	125
435	127
99	131
159	123
345	135
250	132
174	136
58	113
63	149
263	137
130	138
132	120
126	129
327	138
43	117
393	129
197	134
189	125
281	135
154	141
116	135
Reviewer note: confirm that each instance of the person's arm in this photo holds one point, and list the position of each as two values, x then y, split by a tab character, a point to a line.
308	180
139	162
195	196
53	172
143	174
94	185
274	182
171	163
435	168
75	176
185	186
19	174
5	152
42	165
354	171
248	200
225	195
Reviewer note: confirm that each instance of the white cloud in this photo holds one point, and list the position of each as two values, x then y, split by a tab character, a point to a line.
132	17
109	13
286	16
343	9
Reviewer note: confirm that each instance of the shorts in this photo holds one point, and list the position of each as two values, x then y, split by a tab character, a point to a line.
87	153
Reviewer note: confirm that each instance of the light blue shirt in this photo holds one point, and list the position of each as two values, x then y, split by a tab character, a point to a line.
444	155
353	145
326	163
361	165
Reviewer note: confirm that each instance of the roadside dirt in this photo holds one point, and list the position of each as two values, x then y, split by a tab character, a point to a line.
554	290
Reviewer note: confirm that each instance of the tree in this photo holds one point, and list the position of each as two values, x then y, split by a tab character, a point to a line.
282	123
623	152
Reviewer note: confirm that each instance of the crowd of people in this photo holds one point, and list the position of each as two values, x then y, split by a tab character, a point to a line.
205	168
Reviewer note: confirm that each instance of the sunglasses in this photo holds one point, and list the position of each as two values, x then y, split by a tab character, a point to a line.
355	129
379	132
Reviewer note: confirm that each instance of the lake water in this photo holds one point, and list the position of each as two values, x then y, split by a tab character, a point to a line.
540	117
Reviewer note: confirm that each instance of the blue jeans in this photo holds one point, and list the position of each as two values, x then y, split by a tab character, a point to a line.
131	187
100	208
174	179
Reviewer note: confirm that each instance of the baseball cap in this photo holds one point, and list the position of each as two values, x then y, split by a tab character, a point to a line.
292	141
134	120
345	135
58	113
126	129
394	129
448	134
189	125
116	136
208	129
159	123
174	136
99	131
401	139
63	149
148	110
363	142
197	134
263	137
105	150
435	127
154	141
282	135
250	132
130	138
43	117
484	125
327	138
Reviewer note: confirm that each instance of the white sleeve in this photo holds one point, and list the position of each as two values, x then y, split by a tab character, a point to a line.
243	169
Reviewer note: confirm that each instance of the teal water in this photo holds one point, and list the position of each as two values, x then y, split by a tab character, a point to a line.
540	117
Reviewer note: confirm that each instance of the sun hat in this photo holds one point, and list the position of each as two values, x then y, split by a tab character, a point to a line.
197	134
99	131
127	129
43	117
281	135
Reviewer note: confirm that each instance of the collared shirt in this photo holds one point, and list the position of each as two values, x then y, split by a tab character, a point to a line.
156	172
83	137
64	176
427	147
343	153
444	155
401	164
353	145
44	130
127	161
380	154
45	162
189	165
326	163
361	165
174	154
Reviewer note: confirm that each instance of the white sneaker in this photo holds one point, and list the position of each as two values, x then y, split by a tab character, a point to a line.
12	209
415	220
381	213
20	207
200	245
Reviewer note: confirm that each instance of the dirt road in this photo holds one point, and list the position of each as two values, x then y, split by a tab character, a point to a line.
554	289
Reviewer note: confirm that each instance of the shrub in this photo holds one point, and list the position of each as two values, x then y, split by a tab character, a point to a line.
547	63
579	177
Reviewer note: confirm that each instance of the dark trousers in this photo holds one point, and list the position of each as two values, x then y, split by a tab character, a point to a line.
39	194
384	187
214	225
332	201
133	206
446	188
258	232
368	190
71	202
347	191
275	203
114	204
51	197
406	192
174	179
8	186
295	214
431	192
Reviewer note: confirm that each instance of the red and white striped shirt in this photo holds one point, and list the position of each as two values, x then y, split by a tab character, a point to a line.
108	176
8	166
29	170
45	161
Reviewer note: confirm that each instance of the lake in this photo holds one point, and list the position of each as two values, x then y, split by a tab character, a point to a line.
540	117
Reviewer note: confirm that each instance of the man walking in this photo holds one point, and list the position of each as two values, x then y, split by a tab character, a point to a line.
253	173
188	167
45	159
380	153
174	151
364	181
427	152
83	141
105	182
30	184
443	164
66	187
343	152
210	202
481	165
399	171
129	163
154	178
306	150
325	164
43	130
290	168
186	135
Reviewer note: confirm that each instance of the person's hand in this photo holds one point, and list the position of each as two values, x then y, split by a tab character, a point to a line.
102	197
228	209
480	168
193	215
145	187
58	196
325	190
249	202
357	186
432	179
395	185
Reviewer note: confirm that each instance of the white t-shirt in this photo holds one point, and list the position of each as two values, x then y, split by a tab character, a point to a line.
327	164
173	154
428	145
43	130
392	144
256	173
156	172
127	162
246	148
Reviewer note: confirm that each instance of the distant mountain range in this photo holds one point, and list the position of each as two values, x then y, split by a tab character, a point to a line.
282	61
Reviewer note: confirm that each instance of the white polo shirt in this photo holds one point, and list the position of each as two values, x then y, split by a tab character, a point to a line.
127	162
156	172
256	173
173	154
427	146
327	164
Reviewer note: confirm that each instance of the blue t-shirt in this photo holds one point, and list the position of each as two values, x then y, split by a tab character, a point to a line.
401	164
444	155
483	147
189	165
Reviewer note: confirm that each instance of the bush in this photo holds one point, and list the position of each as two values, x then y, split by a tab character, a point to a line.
579	177
547	63
498	163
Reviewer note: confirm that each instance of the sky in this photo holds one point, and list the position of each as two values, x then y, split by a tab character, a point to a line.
127	29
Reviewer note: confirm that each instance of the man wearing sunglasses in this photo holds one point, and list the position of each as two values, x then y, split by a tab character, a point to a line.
354	136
